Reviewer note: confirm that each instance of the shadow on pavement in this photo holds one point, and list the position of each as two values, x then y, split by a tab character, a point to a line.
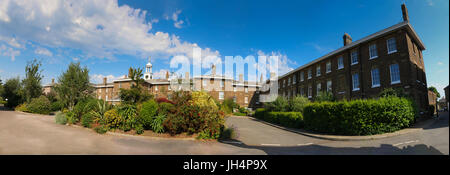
3	108
440	122
384	149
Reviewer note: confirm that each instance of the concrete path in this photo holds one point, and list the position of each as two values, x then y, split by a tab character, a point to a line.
39	134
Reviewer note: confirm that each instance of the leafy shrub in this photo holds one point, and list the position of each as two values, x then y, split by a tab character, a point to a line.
101	129
165	108
87	120
164	100
148	112
324	96
174	124
280	104
112	119
56	106
260	112
157	124
359	117
395	92
40	105
71	117
128	113
22	107
298	103
85	106
228	105
203	99
60	118
228	133
139	129
239	114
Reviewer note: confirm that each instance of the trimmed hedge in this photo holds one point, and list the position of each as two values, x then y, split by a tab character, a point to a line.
287	119
360	117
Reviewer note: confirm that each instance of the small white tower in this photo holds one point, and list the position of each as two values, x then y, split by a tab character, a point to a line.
148	75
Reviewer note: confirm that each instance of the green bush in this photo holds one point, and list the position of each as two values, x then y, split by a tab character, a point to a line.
157	124
56	106
297	103
228	133
280	104
359	117
128	113
139	129
395	92
112	119
101	129
260	113
60	118
147	113
324	96
165	108
85	106
22	107
87	120
174	124
40	105
287	119
228	105
239	114
71	117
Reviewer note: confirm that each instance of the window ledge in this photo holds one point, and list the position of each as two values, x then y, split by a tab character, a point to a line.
339	68
354	63
356	89
329	71
375	86
392	51
371	58
395	82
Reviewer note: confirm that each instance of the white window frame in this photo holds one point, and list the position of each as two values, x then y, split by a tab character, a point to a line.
222	84
328	67
156	88
373	52
246	89
388	44
352	57
309	91
234	89
204	82
372	75
329	86
391	75
318	72
294	79
289	81
234	99
309	73
221	95
353	82
340	60
302	76
245	100
318	88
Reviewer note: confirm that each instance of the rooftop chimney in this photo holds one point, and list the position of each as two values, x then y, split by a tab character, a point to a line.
186	75
347	39
213	70
104	80
167	75
241	78
405	13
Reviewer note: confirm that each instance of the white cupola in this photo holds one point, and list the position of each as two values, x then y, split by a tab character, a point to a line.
148	70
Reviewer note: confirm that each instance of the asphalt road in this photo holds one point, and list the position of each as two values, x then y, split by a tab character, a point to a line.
432	140
39	134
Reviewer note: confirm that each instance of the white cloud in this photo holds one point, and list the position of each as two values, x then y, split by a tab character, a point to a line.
97	28
8	51
177	23
43	51
98	78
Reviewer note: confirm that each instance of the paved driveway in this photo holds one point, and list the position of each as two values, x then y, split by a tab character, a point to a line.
433	139
39	134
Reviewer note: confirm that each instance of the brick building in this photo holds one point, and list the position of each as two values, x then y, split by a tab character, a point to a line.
244	93
390	58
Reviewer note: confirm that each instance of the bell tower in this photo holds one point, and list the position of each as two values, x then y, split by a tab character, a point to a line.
148	75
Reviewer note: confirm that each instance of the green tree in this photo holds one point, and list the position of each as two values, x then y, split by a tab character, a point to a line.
135	75
12	92
73	85
324	96
32	82
135	94
433	89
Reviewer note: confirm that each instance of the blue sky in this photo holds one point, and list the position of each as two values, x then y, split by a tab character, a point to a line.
110	36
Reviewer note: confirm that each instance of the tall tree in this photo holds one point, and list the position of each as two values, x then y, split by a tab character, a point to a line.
12	92
73	85
433	89
136	77
32	82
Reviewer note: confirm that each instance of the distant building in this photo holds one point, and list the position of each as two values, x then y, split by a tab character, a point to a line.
432	99
446	97
49	87
390	58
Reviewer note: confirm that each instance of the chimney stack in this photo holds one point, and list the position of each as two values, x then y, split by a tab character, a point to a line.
213	70
405	13
241	78
347	39
167	75
53	81
186	75
104	80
